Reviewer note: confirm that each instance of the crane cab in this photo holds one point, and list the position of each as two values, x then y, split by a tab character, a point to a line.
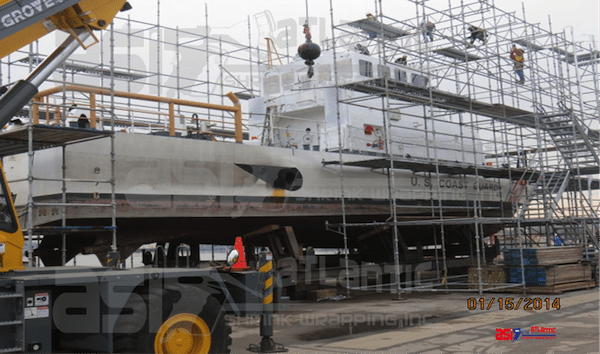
11	235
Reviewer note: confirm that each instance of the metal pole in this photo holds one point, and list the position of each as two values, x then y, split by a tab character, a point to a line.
64	208
158	57
113	202
30	155
251	85
385	105
129	112
340	154
206	29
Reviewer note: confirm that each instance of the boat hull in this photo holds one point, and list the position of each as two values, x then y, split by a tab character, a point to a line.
203	191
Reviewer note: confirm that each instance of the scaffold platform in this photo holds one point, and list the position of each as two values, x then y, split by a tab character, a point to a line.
374	28
456	168
440	99
446	167
16	141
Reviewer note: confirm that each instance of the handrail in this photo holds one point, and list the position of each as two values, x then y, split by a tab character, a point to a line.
236	108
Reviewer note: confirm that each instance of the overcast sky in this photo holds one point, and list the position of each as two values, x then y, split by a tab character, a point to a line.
583	15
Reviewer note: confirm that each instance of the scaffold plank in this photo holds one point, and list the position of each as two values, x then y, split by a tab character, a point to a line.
457	54
440	99
376	28
451	168
36	59
529	45
456	168
15	141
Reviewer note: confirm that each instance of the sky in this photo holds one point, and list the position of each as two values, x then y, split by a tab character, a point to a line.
583	15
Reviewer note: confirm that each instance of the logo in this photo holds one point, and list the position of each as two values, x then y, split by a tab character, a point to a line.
26	11
535	332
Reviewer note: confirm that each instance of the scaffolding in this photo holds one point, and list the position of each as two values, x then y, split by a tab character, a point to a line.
541	133
117	90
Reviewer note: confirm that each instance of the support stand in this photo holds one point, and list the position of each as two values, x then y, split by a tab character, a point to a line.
267	345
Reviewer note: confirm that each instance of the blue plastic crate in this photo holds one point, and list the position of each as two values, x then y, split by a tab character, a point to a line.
513	257
533	276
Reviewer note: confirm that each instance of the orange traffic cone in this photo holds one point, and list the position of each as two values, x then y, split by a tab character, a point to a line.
241	263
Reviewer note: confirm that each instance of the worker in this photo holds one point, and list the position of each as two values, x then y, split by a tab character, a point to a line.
402	60
370	17
82	120
521	159
13	124
427	27
518	59
478	33
362	49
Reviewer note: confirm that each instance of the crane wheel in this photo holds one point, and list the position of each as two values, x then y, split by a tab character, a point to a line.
183	333
199	325
189	321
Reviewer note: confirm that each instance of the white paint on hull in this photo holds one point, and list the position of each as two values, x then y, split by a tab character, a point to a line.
151	169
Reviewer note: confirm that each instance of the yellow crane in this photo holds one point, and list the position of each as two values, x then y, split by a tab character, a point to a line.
24	21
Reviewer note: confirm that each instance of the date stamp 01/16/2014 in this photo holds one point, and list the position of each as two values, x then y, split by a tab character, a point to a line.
510	303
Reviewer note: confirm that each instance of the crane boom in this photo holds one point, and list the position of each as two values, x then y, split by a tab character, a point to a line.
24	21
24	90
17	16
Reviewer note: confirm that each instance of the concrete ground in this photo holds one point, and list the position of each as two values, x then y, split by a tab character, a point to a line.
431	322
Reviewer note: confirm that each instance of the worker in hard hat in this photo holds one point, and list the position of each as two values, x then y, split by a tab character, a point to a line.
370	17
428	27
478	33
518	58
402	60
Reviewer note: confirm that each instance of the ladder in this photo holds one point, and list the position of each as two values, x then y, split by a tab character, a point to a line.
547	192
570	231
543	204
267	129
572	141
578	156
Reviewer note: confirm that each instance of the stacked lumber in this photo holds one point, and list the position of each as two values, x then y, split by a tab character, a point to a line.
491	275
547	270
560	288
552	275
550	270
543	256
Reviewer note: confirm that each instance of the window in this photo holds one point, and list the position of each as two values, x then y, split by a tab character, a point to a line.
8	221
419	80
365	68
383	71
401	75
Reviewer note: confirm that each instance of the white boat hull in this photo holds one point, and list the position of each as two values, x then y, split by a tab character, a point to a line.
169	188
